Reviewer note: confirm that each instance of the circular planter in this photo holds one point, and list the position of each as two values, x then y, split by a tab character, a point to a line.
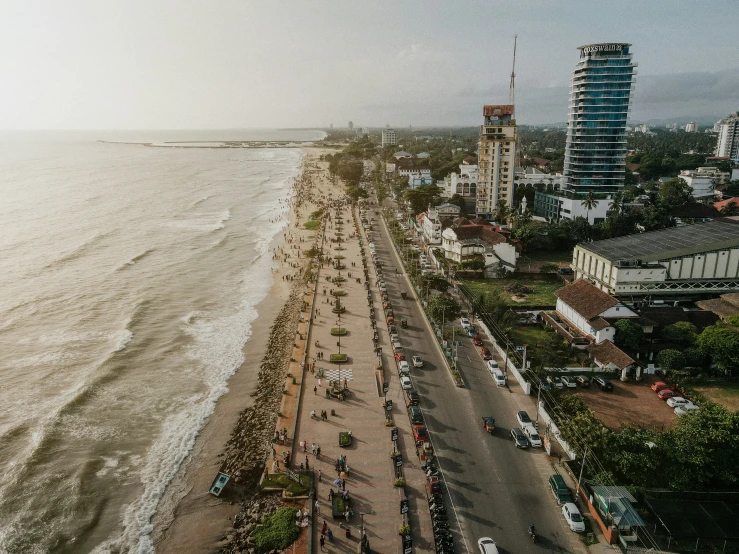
338	331
339	292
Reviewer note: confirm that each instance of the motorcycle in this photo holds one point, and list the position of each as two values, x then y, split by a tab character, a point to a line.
532	533
439	517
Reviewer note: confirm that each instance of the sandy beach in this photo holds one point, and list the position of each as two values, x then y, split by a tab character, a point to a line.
237	437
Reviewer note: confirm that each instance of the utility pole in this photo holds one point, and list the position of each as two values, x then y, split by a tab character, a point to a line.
582	467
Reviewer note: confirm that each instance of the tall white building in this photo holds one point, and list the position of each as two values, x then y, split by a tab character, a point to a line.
691	127
388	137
728	137
496	158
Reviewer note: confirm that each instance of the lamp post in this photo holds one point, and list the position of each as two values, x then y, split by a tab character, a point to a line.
338	330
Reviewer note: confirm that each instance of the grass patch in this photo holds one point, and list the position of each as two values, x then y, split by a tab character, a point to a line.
336	331
338	358
312	225
339	292
726	394
345	439
282	481
277	532
543	294
530	334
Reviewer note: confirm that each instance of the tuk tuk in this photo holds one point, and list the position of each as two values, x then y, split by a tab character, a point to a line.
488	424
403	295
403	323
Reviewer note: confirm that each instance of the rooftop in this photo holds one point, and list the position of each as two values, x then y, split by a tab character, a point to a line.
608	353
668	243
586	299
492	110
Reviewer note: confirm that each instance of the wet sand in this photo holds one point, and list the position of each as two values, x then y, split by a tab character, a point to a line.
237	437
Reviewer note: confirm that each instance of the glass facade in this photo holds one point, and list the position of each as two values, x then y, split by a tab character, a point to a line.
600	98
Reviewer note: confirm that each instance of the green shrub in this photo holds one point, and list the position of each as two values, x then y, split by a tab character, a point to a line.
338	358
312	225
278	531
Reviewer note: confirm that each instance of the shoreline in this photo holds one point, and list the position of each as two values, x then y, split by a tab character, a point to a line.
236	437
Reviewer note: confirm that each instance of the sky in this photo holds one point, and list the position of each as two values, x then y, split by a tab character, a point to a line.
186	64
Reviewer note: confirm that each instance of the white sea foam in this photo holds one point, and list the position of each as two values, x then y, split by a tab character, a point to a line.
123	341
201	222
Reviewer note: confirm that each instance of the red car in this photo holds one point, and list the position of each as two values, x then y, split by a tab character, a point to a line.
400	357
656	387
664	394
420	434
476	340
485	353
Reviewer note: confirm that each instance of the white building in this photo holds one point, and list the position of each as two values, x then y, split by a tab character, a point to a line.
496	158
402	154
691	127
463	183
556	206
389	137
532	176
680	263
467	242
587	308
702	185
728	137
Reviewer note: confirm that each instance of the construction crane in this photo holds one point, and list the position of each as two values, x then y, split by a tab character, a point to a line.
512	93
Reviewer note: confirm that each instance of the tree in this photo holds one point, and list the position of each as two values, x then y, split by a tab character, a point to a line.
432	281
671	359
458	200
532	235
549	268
683	333
629	334
502	212
589	202
420	198
721	342
443	308
675	193
729	210
474	264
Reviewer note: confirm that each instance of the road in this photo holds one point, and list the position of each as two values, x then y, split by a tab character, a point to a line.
496	489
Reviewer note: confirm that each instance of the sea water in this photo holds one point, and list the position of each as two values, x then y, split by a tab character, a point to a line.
129	277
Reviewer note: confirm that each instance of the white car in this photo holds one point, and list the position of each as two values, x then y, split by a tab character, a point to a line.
417	361
405	382
573	517
685	408
533	435
523	418
493	366
677	401
465	323
403	367
394	337
487	546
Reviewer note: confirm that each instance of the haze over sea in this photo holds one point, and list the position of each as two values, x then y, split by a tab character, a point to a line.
128	283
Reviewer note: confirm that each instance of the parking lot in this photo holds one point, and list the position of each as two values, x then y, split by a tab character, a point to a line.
631	403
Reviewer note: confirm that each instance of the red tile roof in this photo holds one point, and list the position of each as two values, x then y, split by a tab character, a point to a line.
586	299
719	205
608	353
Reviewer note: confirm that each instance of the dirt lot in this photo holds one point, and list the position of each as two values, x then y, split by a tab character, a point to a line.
631	403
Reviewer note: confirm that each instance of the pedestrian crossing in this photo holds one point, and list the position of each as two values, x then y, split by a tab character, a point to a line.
338	374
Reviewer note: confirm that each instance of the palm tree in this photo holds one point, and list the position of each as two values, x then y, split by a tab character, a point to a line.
729	209
617	204
502	212
589	202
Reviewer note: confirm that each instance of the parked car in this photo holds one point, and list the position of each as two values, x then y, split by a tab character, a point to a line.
413	397
493	366
393	330
533	435
582	381
659	385
523	418
519	438
499	378
685	408
399	356
569	382
420	434
403	367
573	517
664	394
397	347
414	412
417	361
465	322
676	401
487	546
394	337
471	331
485	353
476	340
406	382
560	490
603	383
555	382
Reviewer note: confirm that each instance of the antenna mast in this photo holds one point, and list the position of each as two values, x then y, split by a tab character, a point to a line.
512	94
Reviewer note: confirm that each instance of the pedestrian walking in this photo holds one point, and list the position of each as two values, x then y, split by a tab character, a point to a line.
318	508
307	467
313	448
315	389
320	474
318	448
322	541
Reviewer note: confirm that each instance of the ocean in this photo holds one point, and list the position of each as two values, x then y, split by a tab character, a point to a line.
128	285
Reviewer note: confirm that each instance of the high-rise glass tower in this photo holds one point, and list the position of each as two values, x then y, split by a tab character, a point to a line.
600	98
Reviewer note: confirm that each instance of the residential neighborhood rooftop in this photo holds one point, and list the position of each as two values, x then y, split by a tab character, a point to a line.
668	243
585	298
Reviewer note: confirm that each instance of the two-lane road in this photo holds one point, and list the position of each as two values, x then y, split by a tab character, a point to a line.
496	489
